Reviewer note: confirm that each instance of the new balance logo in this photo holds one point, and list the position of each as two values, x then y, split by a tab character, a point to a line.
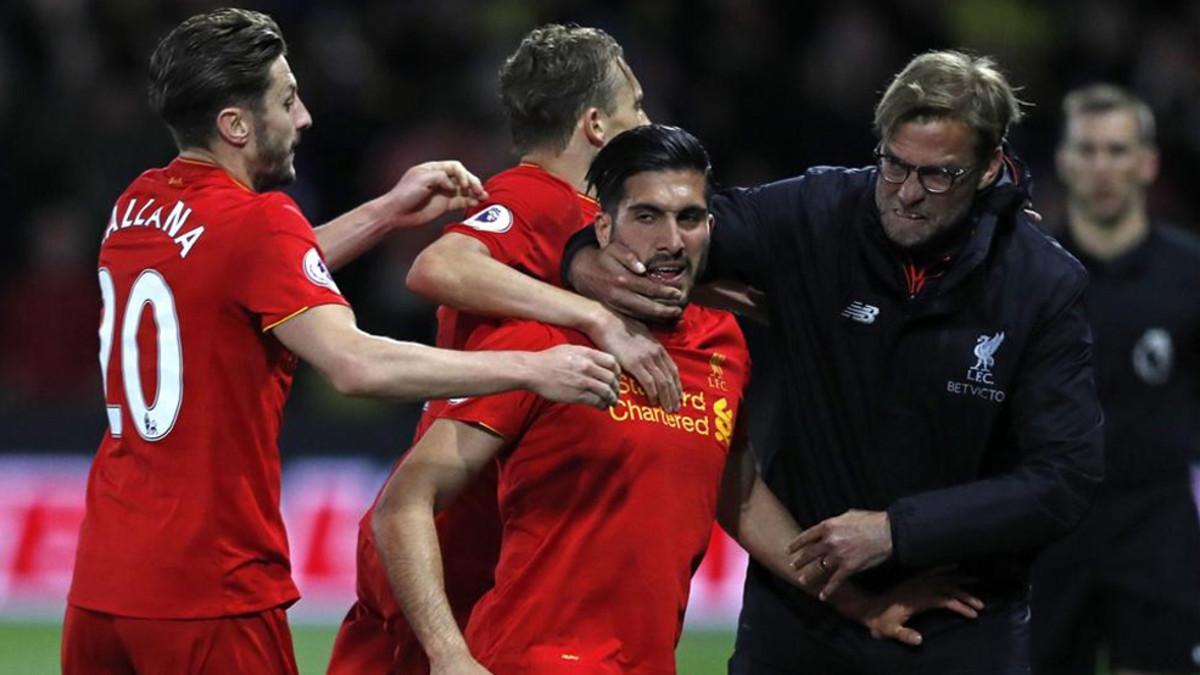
861	312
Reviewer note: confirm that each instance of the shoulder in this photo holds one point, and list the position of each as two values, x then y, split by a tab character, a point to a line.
1178	242
1035	265
270	214
530	191
820	187
527	197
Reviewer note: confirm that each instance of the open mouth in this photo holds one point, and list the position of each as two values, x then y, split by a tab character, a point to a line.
670	273
908	216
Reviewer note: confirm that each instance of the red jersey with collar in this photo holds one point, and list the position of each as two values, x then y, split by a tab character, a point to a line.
606	513
182	514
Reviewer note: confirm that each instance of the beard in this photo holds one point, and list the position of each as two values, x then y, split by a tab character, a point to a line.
273	166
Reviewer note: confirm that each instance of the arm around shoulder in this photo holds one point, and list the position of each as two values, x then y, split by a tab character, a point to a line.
360	364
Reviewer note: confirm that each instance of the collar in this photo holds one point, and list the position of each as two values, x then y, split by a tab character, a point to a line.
191	168
1133	261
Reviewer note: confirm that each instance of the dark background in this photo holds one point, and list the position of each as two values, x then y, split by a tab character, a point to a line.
771	87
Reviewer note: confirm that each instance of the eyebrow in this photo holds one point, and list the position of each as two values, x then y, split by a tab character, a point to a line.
689	210
942	167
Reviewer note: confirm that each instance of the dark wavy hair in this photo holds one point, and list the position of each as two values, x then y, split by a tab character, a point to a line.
654	147
209	62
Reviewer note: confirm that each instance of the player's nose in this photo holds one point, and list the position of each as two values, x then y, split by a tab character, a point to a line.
303	118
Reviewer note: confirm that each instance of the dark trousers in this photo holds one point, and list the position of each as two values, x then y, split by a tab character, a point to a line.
776	640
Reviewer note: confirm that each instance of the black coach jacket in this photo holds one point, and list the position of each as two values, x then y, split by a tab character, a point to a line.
967	411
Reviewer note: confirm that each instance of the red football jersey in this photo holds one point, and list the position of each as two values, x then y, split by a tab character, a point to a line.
525	223
182	516
606	513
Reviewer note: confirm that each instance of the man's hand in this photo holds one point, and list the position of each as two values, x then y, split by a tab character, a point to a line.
614	276
886	614
429	190
640	355
839	547
575	374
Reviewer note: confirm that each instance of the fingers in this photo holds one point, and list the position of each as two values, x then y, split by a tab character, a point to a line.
807	537
839	576
604	360
642	371
959	607
468	181
811	576
648	288
454	178
966	599
669	383
628	269
632	304
812	556
906	635
595	390
625	256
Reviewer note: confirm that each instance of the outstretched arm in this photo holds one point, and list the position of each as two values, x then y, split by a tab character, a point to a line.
361	364
435	471
459	271
423	193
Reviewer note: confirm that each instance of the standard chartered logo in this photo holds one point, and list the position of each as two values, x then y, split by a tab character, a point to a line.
695	415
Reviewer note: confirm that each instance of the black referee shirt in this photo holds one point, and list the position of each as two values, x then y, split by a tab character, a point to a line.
1144	308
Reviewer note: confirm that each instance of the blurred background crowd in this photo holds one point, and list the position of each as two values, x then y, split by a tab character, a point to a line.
771	87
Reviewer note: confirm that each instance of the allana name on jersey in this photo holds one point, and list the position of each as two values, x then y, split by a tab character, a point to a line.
148	215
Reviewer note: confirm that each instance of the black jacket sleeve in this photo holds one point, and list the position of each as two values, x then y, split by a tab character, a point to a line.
1057	425
734	251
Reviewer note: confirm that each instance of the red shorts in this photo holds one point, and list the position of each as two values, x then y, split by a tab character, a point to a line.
95	643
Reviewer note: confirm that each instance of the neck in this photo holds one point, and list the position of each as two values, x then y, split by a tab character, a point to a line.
1107	241
232	162
570	164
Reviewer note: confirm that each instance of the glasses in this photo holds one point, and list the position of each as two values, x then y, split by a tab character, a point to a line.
935	179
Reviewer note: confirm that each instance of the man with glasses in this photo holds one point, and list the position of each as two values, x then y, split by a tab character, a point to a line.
936	404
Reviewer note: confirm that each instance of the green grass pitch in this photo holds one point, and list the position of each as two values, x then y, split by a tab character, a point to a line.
32	649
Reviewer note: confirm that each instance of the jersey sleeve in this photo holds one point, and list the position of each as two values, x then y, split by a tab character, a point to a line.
510	413
283	269
509	224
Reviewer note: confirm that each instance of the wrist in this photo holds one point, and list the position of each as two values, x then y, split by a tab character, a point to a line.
449	655
522	368
597	321
380	213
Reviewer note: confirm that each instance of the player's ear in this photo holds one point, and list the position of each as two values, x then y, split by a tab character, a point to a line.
992	171
1148	165
604	228
592	121
234	126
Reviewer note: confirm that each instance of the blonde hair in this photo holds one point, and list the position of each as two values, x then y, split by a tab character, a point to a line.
1102	98
952	85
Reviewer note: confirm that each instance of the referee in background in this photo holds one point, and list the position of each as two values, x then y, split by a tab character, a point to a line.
1128	579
